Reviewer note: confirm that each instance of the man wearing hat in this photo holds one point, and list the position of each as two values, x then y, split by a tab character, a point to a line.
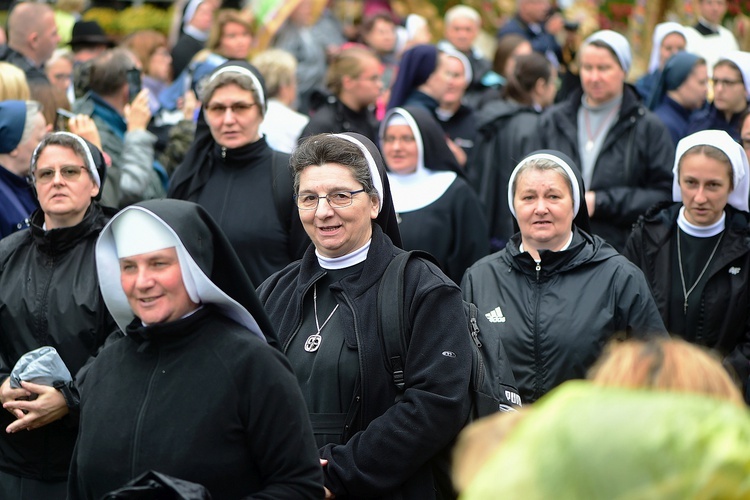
88	41
22	126
32	38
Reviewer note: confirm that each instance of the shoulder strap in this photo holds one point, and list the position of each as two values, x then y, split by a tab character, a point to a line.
393	323
283	187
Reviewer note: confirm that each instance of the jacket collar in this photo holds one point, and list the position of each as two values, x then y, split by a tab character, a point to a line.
57	241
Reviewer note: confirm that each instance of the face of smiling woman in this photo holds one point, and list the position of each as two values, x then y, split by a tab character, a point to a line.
336	232
544	210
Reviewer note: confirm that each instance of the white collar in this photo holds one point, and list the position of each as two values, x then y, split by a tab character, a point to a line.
348	260
700	231
418	189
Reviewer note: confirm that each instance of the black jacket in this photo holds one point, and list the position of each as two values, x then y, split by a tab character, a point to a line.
555	317
725	302
333	117
199	399
634	167
507	132
49	296
391	450
33	73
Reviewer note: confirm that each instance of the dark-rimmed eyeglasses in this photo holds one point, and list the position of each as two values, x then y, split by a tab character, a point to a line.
238	108
68	172
724	82
339	199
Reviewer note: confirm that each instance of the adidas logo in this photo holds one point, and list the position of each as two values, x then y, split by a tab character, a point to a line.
734	271
495	316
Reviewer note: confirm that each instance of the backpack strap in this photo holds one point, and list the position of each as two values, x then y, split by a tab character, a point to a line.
393	322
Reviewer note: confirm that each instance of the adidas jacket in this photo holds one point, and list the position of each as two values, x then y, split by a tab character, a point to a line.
555	318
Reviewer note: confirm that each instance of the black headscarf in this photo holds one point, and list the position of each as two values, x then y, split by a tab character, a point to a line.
581	217
436	153
219	279
195	170
386	219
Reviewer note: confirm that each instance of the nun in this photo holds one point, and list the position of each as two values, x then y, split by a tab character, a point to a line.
623	149
694	250
193	390
437	210
556	294
374	441
680	91
669	39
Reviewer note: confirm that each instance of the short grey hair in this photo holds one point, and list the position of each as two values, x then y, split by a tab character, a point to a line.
67	141
542	164
230	78
325	148
462	12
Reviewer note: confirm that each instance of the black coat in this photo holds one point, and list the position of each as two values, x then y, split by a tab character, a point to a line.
199	399
556	317
725	302
49	295
633	170
391	450
507	132
333	117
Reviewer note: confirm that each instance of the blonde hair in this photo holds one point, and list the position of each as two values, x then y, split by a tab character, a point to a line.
144	44
667	364
13	83
278	68
224	17
349	62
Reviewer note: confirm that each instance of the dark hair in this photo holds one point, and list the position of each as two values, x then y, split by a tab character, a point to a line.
65	141
504	51
325	148
529	69
731	65
368	23
710	152
109	71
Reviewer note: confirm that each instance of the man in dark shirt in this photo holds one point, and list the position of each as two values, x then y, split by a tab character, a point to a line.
32	38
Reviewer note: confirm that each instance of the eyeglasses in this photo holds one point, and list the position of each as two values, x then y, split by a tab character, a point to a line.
68	172
726	83
404	139
238	108
339	199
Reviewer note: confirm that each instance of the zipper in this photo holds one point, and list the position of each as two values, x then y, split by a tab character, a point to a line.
535	333
141	415
538	270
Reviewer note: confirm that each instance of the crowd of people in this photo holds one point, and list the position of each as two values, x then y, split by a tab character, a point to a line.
195	234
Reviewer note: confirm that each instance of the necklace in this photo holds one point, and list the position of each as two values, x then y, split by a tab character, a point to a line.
592	137
313	341
686	293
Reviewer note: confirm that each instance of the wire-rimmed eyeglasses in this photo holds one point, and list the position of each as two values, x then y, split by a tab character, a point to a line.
338	199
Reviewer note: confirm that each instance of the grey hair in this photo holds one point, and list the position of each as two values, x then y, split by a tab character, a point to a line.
542	164
230	78
462	12
278	68
67	141
324	148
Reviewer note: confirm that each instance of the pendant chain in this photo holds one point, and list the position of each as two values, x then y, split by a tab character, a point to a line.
592	137
685	292
313	341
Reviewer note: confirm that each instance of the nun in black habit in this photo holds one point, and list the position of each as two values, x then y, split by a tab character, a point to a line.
232	172
193	390
437	210
325	310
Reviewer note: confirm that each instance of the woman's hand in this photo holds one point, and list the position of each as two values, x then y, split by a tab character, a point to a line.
323	463
48	406
84	126
457	151
137	113
189	105
9	394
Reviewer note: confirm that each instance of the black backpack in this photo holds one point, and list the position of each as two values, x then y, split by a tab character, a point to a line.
492	387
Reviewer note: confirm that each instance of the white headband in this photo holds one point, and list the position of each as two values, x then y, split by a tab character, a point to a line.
575	190
377	182
618	43
89	159
453	52
719	139
399	116
660	33
249	74
742	60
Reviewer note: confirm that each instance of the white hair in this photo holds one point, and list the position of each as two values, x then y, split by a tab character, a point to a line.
462	12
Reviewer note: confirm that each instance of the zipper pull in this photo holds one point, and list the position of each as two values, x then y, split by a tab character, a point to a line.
223	152
538	270
475	331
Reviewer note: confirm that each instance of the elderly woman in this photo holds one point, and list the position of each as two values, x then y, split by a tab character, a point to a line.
555	293
374	441
623	149
49	297
437	210
193	371
695	253
237	178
